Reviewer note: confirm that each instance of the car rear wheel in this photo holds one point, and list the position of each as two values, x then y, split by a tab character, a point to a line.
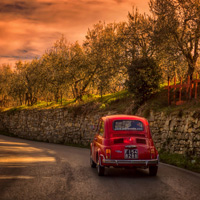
153	170
92	163
100	169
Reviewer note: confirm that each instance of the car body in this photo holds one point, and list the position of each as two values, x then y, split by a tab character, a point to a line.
123	141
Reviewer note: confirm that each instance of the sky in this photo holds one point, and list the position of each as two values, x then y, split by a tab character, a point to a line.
29	27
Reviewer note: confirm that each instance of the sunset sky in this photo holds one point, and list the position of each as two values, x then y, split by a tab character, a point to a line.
29	27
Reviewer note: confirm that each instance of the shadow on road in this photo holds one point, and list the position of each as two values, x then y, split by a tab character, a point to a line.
126	173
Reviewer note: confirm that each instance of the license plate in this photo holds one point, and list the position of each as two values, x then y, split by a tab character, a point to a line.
131	154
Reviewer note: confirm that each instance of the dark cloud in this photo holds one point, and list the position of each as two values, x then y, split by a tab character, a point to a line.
18	6
23	53
22	50
22	9
22	6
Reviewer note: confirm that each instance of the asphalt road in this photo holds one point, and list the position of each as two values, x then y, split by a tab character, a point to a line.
36	170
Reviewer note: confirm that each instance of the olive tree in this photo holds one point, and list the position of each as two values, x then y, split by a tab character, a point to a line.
177	29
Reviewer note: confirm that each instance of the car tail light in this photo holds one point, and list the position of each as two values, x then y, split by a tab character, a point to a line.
128	140
108	153
153	153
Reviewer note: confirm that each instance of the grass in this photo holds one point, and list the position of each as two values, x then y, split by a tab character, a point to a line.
159	103
42	105
118	102
182	161
113	101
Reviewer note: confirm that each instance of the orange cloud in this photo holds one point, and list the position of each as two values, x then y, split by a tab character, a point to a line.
29	27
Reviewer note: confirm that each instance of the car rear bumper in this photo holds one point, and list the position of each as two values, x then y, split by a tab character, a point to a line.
141	163
137	162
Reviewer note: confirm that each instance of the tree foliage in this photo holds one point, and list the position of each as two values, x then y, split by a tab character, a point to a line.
177	29
104	50
139	34
115	56
6	75
144	78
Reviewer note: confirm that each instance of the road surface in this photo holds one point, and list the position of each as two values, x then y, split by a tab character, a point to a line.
36	170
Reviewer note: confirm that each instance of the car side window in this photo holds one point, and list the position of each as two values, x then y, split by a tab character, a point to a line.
101	129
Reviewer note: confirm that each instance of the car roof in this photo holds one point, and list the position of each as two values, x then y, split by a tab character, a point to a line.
125	117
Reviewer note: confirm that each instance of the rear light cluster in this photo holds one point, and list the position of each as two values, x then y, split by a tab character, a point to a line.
108	154
141	141
128	141
153	153
119	141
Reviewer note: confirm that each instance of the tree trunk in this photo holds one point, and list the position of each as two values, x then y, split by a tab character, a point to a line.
191	68
20	99
101	92
56	94
61	95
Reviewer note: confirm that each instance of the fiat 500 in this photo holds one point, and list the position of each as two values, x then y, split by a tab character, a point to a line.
123	141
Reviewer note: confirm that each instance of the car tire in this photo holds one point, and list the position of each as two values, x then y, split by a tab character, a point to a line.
100	169
92	163
153	170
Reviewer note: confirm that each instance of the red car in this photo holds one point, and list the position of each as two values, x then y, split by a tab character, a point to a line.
123	141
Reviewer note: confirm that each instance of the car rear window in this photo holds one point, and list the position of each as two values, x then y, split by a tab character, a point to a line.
128	125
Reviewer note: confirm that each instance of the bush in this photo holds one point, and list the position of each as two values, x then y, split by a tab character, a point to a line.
144	78
183	161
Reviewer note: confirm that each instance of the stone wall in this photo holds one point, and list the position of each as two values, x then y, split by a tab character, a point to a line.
52	125
176	133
